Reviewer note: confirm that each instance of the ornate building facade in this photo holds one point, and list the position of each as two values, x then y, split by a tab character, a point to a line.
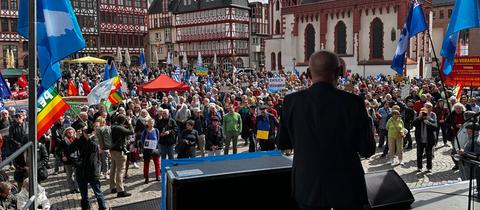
123	23
258	33
9	38
212	27
87	17
364	33
161	32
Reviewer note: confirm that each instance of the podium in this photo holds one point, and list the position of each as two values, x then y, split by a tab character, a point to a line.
251	183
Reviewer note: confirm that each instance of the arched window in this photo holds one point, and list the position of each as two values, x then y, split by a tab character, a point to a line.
376	39
277	27
273	61
341	38
277	5
279	58
309	41
393	34
239	63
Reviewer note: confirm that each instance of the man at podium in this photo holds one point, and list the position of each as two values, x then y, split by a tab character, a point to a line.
328	130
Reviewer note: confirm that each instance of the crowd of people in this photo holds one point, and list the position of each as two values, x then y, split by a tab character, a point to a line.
219	114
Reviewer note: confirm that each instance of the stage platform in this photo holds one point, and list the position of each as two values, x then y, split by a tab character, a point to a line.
445	197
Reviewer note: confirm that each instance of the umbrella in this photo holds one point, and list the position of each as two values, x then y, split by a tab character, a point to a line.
128	61
9	61
12	59
169	59
89	59
118	58
185	59
215	60
199	59
155	57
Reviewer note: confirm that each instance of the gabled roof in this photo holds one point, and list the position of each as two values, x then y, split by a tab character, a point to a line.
156	7
179	6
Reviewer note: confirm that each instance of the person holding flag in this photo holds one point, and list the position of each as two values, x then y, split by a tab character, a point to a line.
414	24
142	62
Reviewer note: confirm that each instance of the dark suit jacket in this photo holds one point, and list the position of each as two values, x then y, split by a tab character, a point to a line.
328	129
417	123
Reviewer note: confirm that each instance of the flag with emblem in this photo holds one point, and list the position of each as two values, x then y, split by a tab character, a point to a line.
58	35
22	81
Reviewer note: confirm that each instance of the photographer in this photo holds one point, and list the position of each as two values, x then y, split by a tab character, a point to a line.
121	130
425	126
87	166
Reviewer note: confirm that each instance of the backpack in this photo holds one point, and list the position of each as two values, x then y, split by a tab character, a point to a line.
106	137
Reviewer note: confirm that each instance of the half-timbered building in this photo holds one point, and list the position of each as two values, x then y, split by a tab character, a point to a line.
364	33
161	32
87	17
212	27
258	33
123	23
9	38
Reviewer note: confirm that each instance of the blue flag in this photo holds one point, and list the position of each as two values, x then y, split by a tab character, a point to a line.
141	59
4	90
465	15
176	74
295	70
106	74
414	24
186	78
110	72
58	35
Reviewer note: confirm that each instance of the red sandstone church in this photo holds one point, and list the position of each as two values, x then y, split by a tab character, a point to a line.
363	32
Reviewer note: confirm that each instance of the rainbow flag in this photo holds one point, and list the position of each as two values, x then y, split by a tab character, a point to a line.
50	107
116	95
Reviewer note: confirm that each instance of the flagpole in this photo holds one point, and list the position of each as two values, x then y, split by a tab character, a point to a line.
32	98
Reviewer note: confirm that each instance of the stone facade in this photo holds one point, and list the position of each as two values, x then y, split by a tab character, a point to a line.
367	31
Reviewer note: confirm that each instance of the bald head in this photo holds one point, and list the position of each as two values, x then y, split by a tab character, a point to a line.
324	67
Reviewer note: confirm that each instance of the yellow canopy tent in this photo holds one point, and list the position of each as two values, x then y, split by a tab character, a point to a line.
89	59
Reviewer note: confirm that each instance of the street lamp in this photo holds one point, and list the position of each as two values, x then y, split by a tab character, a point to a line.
294	63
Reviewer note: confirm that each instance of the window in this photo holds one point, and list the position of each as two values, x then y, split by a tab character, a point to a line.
434	14
128	3
309	41
4	4
138	3
376	36
111	2
114	40
277	5
441	14
449	13
393	34
13	25
13	5
277	27
120	2
4	23
279	57
273	61
341	38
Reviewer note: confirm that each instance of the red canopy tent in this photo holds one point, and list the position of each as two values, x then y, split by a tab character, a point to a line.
163	84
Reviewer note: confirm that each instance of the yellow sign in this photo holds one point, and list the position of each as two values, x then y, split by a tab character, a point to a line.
262	135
